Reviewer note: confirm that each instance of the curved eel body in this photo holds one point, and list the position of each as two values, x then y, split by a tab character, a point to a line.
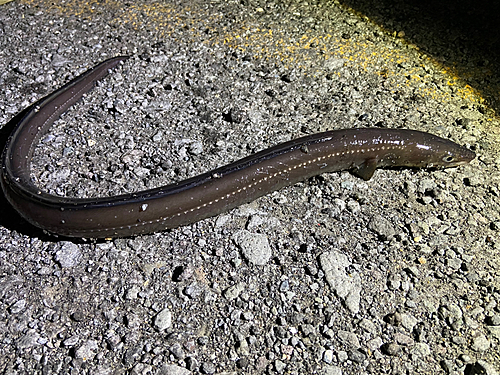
211	193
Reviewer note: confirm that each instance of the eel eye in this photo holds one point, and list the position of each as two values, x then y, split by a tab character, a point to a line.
448	158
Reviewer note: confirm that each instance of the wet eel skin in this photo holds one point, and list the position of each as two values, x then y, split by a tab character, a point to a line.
211	193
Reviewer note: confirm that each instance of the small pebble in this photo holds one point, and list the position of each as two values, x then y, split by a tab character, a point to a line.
328	356
391	348
420	349
480	343
163	320
69	255
254	247
279	366
207	368
382	226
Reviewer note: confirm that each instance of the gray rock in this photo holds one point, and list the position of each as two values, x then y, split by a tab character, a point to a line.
480	343
254	246
403	339
328	356
454	263
234	291
18	306
374	344
193	290
112	339
382	227
58	60
87	351
354	207
346	286
163	320
207	368
394	281
408	321
357	356
132	355
329	333
391	348
196	148
459	340
394	319
68	255
426	185
29	340
132	321
451	312
342	356
336	208
334	63
174	370
284	286
420	349
158	136
349	339
248	315
132	292
307	329
140	369
279	366
243	348
368	326
413	270
333	370
71	341
493	320
177	351
471	323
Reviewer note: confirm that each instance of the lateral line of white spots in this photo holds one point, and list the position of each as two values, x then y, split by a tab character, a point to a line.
253	184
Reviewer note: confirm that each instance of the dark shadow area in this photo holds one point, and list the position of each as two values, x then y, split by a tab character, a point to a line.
461	34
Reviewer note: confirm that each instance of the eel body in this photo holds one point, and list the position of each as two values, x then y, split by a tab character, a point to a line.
211	193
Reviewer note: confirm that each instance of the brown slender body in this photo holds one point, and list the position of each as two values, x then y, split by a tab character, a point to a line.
209	194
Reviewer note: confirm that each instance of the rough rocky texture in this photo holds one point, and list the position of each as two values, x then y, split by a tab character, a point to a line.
209	83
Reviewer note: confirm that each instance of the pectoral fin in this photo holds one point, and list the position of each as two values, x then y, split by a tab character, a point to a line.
366	169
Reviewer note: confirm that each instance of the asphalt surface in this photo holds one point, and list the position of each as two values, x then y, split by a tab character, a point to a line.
335	275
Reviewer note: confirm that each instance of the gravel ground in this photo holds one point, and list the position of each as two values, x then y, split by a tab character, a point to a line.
335	275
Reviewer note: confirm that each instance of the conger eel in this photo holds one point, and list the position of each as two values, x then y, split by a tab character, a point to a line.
211	193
